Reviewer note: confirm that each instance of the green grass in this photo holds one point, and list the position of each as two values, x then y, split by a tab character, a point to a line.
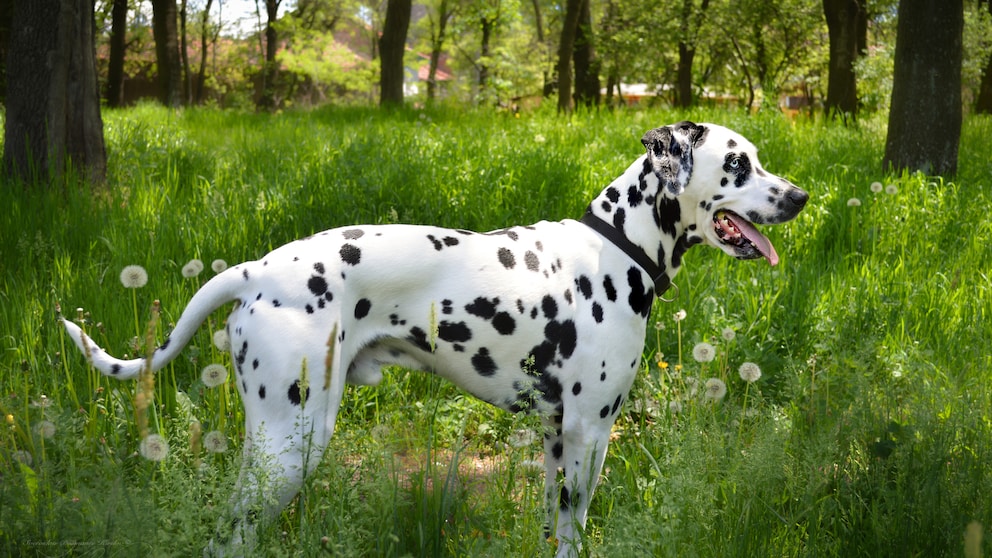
868	433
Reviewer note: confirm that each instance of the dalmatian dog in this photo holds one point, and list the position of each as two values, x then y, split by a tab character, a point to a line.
548	318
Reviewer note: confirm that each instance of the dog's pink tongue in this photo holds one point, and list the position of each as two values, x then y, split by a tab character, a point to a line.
759	240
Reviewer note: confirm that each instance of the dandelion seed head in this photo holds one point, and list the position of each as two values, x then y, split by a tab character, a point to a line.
675	406
45	428
218	266
213	375
750	372
522	438
134	277
192	268
703	352
679	316
876	187
891	189
215	441
539	138
22	456
854	202
728	334
222	340
715	389
153	447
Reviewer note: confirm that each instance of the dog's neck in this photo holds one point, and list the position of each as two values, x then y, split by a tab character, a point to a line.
649	218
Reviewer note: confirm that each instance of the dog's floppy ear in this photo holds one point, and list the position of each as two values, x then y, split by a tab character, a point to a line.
670	153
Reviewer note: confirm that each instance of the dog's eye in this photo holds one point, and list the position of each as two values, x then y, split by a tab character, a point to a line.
735	162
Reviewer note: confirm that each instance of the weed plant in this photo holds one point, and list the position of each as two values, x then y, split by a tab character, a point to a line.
861	427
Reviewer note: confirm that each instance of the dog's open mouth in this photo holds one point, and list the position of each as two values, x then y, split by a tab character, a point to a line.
738	233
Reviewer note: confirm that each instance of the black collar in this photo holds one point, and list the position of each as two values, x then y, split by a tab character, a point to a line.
634	252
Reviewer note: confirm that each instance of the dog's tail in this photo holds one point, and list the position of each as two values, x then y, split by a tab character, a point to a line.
219	290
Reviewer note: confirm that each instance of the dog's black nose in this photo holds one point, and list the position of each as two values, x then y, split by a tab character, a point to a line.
798	197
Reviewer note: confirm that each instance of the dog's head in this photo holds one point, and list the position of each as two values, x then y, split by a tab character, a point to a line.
715	173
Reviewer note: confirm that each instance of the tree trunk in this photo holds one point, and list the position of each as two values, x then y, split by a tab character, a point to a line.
487	26
115	62
392	47
983	104
566	45
270	69
167	52
845	20
201	74
586	63
437	45
53	118
925	114
548	86
184	54
690	21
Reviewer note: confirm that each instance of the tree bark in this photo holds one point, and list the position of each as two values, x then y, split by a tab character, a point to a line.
270	69
983	104
566	45
689	30
845	21
166	36
53	121
586	63
925	114
115	61
437	45
201	74
392	47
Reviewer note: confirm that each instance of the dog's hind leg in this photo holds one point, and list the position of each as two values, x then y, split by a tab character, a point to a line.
583	453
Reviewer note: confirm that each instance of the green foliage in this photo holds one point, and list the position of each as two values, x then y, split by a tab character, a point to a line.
866	434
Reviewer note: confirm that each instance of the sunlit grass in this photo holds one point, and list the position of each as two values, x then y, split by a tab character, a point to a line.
867	433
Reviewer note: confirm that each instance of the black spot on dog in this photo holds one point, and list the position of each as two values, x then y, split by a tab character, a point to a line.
640	299
607	206
482	307
504	323
611	291
604	412
353	234
418	338
295	397
506	258
576	388
447	306
731	144
530	259
668	213
565	502
557	450
549	307
724	181
454	332
254	364
115	369
437	243
350	254
597	312
616	404
613	194
619	218
634	196
261	391
585	287
362	308
483	363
